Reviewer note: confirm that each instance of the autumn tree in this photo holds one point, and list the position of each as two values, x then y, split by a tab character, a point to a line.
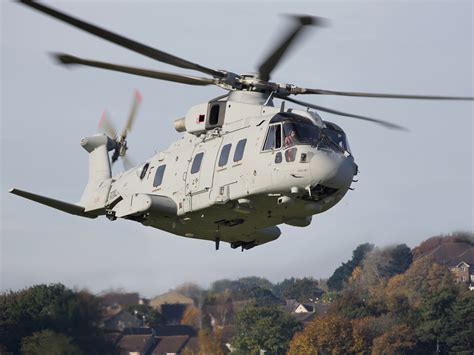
263	328
366	330
400	339
327	334
192	316
210	342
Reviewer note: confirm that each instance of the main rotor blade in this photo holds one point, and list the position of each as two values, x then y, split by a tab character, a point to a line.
66	59
340	113
383	96
272	60
137	99
122	41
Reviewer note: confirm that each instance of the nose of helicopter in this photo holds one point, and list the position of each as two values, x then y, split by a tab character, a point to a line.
333	170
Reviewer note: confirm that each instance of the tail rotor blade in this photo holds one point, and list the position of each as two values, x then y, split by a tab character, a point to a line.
137	99
127	162
106	126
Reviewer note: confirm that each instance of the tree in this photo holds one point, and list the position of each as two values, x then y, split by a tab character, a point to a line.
151	316
342	273
191	290
302	290
365	330
53	307
192	316
210	342
263	328
327	334
398	340
49	342
240	284
461	325
400	259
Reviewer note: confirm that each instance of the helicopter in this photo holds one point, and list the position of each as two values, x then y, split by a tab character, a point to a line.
242	167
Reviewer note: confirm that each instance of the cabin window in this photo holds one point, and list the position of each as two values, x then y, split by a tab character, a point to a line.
214	115
290	155
197	163
224	155
273	140
160	172
144	170
278	158
239	150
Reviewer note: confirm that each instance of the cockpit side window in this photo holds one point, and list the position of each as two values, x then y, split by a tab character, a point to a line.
338	138
273	140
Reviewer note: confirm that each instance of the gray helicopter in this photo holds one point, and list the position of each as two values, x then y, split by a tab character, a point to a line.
242	166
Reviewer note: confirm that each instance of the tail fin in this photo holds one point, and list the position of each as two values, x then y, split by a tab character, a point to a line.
59	205
95	195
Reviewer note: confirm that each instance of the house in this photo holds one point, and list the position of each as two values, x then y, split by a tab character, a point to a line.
164	340
171	297
118	322
459	258
136	344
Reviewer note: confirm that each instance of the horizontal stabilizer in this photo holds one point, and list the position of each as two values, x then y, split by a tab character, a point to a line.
59	205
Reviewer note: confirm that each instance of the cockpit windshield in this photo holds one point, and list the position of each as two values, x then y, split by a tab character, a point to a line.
337	137
300	133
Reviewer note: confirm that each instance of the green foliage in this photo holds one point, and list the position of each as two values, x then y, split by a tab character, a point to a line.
302	290
240	284
153	318
342	273
265	328
399	260
461	324
49	342
51	307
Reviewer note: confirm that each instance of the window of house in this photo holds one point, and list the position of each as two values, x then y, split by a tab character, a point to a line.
160	172
197	163
239	150
224	155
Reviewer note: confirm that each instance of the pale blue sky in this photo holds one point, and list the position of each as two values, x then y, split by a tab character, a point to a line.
411	185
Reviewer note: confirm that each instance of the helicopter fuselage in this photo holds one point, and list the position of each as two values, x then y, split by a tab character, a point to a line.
237	181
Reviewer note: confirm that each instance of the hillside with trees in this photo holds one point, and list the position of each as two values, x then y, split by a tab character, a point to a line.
382	301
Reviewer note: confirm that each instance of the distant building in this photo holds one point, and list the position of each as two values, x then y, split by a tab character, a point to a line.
164	340
171	297
304	312
120	321
459	258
